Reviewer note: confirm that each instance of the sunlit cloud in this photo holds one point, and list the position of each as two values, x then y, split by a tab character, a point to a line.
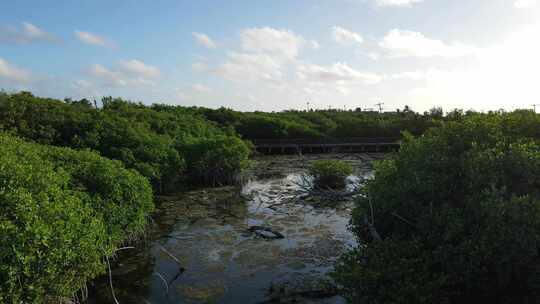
404	43
283	43
94	39
505	76
525	3
346	37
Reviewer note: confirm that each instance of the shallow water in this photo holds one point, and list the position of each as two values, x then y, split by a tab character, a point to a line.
199	249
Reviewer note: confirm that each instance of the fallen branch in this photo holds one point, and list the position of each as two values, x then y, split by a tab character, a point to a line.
110	280
163	280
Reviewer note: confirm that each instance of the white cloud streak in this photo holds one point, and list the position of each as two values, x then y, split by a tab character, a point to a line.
403	43
24	34
128	72
280	43
338	73
91	38
140	69
396	3
12	73
346	37
204	40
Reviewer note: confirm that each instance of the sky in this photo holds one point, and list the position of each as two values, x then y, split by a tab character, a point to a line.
273	55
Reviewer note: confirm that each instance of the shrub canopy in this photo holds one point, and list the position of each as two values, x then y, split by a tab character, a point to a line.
61	212
330	173
458	211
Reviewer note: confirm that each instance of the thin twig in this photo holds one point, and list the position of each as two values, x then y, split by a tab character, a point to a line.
164	281
110	280
170	254
124	248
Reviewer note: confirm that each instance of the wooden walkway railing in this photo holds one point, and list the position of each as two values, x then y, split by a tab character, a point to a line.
324	145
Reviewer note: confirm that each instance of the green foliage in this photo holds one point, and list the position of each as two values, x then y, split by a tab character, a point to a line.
458	210
330	173
150	140
61	211
322	123
216	160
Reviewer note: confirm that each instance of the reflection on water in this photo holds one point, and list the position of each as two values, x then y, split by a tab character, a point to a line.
199	249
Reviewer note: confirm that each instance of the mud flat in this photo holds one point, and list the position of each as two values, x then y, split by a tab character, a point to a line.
262	242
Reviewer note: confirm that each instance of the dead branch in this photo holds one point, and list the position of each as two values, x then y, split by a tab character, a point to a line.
163	280
110	280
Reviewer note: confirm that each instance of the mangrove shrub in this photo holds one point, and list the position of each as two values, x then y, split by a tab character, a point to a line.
61	212
330	173
454	217
215	160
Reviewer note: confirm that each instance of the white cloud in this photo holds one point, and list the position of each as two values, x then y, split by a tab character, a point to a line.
128	72
91	38
110	78
12	73
243	67
26	33
139	69
204	40
344	36
201	88
525	3
282	43
403	43
340	73
504	76
398	3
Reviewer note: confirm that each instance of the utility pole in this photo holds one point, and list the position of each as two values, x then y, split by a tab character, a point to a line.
380	105
307	110
534	107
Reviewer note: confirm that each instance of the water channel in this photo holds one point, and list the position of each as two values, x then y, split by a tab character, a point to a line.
199	247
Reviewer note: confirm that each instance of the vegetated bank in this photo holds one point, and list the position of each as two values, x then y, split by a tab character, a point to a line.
65	210
61	212
454	217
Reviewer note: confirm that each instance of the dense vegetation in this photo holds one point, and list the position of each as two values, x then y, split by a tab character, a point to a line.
156	141
64	210
61	212
324	123
454	217
330	173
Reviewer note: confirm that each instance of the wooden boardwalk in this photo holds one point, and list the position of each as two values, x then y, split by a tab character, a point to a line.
326	145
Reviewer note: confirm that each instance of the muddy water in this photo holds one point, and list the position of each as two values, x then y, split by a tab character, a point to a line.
199	248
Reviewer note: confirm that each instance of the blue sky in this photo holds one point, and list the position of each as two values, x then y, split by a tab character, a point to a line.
275	55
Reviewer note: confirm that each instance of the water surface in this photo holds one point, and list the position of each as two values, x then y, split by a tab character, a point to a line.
199	249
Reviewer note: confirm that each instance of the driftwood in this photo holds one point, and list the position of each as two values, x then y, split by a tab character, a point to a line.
262	232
